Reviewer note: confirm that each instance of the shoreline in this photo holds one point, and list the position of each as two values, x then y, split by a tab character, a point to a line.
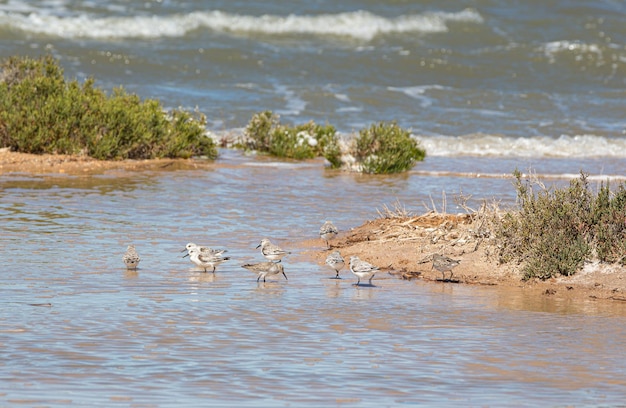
404	246
14	162
401	246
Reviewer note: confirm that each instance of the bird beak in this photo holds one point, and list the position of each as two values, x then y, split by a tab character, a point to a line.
285	275
184	250
258	246
186	255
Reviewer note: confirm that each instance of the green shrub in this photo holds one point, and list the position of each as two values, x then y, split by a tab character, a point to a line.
40	112
260	130
609	224
306	141
387	148
556	231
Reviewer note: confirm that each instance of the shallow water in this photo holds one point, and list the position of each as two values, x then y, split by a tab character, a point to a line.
487	86
77	329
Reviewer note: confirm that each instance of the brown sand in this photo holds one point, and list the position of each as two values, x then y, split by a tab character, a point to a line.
404	246
12	162
400	246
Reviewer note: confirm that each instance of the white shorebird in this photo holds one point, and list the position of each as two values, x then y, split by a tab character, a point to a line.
270	251
362	269
265	269
328	231
443	263
131	258
204	250
336	262
205	261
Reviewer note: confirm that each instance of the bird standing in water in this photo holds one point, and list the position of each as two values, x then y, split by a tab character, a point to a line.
131	258
443	263
362	269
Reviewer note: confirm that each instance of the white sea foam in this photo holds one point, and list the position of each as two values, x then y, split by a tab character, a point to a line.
359	24
294	105
552	49
418	93
579	146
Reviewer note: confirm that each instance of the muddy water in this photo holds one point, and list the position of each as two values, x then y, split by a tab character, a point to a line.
77	329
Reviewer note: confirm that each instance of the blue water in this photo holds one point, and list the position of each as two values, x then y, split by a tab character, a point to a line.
486	86
77	329
549	76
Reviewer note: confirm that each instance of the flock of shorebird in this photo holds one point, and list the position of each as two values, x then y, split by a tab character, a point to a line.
209	258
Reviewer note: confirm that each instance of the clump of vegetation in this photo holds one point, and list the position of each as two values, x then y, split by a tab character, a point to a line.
557	230
41	112
266	134
387	148
382	148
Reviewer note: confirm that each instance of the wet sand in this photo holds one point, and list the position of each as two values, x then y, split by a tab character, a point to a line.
400	246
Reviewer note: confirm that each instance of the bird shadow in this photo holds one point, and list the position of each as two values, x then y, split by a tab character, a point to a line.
364	285
447	280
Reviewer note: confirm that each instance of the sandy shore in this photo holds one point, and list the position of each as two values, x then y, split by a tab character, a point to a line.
12	162
402	247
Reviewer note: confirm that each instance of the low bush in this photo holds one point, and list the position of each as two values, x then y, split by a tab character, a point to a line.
556	230
41	112
306	141
387	148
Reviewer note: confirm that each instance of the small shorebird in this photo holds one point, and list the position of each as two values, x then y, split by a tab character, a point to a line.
362	269
204	250
336	262
443	263
270	251
328	231
205	261
131	258
265	269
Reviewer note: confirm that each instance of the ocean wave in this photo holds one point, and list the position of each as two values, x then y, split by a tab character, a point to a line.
482	145
361	25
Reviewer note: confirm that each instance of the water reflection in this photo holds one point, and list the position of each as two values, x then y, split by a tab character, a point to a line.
270	288
362	292
334	287
170	332
131	274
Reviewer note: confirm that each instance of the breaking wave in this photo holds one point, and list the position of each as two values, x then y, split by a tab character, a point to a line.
361	25
579	146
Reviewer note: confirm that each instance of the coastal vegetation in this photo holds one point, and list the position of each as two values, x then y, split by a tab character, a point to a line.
266	134
42	112
380	149
387	148
551	232
557	230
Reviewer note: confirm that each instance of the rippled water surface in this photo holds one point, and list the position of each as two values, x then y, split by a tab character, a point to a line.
77	329
486	86
479	77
